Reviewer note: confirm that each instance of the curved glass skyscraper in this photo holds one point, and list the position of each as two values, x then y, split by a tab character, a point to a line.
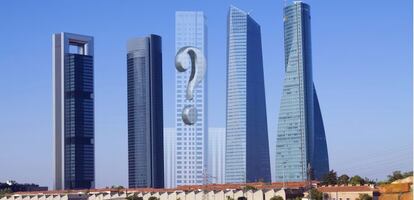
247	148
301	143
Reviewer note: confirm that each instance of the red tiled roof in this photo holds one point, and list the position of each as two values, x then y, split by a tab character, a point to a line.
210	187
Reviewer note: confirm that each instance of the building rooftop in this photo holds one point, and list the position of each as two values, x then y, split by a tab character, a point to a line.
348	188
186	188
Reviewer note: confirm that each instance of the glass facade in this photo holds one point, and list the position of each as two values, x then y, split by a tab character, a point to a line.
247	148
145	113
73	111
300	136
216	144
191	148
79	121
169	157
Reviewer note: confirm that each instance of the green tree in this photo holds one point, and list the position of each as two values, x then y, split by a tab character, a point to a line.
153	198
249	187
364	197
277	197
343	179
5	191
314	194
117	187
356	180
396	175
407	174
330	178
135	197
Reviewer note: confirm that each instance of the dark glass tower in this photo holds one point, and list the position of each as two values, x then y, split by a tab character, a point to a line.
301	150
145	113
73	111
247	148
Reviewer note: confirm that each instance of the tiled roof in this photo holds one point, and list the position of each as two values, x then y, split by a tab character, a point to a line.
210	187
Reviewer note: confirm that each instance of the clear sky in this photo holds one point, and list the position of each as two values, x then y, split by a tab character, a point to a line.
362	68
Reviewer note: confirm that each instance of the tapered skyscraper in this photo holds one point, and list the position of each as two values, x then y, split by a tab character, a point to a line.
247	148
73	111
191	159
301	150
145	113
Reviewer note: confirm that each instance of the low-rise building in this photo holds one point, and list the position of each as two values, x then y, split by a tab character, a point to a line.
249	191
397	190
348	192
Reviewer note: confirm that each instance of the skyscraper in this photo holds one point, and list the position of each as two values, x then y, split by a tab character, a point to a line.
169	157
73	111
216	152
247	148
301	144
191	30
145	113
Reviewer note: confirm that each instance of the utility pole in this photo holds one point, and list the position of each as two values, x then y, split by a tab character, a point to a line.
206	181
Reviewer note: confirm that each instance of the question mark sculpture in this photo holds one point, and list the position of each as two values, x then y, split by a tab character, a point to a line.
198	68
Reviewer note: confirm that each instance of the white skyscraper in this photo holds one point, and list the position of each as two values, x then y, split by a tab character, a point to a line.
191	154
216	153
169	157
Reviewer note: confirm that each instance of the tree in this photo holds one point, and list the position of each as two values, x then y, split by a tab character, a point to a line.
135	197
229	198
330	178
314	194
343	179
407	174
249	187
355	180
364	197
277	197
397	175
5	191
153	198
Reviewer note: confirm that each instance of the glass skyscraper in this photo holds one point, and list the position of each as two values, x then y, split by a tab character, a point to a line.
191	30
216	149
145	113
301	150
169	157
73	111
247	148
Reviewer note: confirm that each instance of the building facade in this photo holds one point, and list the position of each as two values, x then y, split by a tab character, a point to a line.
247	148
148	194
216	152
145	113
73	111
301	150
169	157
191	157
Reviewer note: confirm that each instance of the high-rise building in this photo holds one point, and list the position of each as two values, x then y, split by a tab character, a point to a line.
247	148
169	157
216	152
191	159
73	111
145	113
301	150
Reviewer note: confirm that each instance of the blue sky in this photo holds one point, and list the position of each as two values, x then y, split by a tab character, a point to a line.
361	61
